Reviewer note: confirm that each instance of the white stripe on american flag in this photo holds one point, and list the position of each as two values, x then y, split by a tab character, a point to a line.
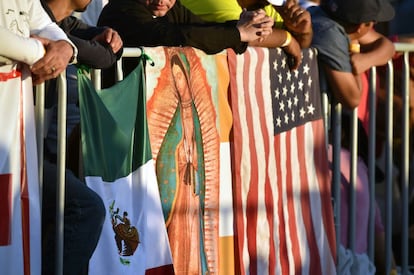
270	188
260	140
244	172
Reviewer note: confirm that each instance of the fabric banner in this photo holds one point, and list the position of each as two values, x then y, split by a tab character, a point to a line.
189	122
283	211
19	182
119	167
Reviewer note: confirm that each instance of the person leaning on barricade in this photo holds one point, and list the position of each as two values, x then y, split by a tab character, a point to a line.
348	45
98	47
291	22
24	61
354	45
168	23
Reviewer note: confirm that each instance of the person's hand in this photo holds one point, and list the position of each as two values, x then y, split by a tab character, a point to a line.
56	58
295	18
254	25
111	37
294	52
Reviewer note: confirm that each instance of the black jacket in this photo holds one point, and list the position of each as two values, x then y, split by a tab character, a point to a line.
179	27
90	53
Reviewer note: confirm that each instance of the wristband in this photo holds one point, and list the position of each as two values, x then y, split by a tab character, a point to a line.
354	48
288	40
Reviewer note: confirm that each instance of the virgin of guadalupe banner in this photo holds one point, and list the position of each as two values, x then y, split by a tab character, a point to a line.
189	122
19	180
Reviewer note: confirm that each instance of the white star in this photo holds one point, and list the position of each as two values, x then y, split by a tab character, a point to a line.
307	97
300	84
310	82
283	65
286	119
277	93
296	73
289	76
280	77
281	106
292	88
295	100
306	69
278	121
311	54
289	103
285	90
293	117
311	109
302	112
275	65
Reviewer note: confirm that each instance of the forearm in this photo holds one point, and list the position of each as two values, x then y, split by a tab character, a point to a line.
23	49
93	53
378	52
346	87
304	39
274	40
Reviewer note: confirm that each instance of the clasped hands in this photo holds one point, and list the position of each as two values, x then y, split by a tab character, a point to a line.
254	25
59	53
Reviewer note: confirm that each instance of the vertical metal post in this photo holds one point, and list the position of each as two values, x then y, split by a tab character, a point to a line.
371	162
96	78
353	179
40	128
336	173
405	166
61	159
388	174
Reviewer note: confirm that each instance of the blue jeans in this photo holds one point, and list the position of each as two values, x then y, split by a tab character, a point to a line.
84	217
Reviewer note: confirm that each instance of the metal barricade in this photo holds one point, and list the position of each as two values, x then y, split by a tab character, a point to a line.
335	125
404	181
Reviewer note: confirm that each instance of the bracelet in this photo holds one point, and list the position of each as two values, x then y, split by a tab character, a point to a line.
355	48
288	40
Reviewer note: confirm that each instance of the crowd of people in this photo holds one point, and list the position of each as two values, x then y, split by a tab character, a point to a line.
45	38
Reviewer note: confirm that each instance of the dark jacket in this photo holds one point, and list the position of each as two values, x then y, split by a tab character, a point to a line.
90	53
179	27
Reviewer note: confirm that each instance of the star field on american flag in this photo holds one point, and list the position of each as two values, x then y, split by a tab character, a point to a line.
294	93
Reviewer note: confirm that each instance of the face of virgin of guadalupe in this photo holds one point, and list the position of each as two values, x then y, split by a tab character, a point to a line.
180	81
158	8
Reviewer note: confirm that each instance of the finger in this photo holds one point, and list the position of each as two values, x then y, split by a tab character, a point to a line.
52	70
296	62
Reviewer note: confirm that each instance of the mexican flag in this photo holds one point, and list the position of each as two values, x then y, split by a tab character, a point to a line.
118	165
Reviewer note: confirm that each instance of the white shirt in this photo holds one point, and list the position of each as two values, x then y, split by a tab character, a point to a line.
19	19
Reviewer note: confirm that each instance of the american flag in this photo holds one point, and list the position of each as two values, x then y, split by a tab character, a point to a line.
284	218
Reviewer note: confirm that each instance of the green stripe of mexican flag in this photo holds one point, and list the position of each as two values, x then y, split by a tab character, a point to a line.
118	165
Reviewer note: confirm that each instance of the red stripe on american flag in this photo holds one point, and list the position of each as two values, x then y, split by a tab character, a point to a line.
268	192
24	190
324	179
283	250
251	205
314	262
5	209
236	156
292	215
